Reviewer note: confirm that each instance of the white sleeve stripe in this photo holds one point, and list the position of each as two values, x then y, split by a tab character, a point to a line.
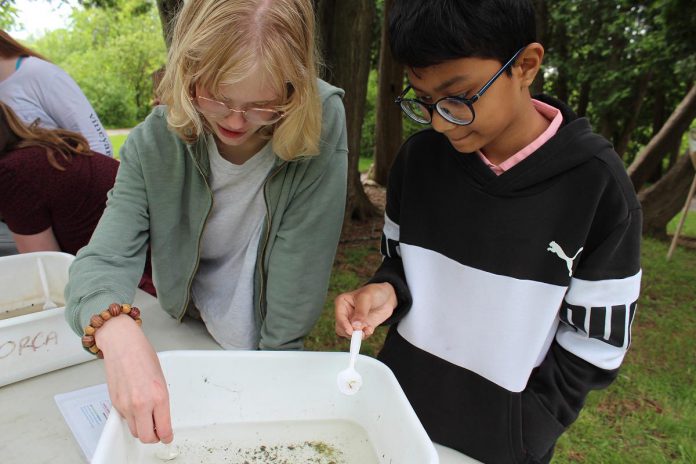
607	324
586	323
391	229
596	352
607	292
389	245
597	317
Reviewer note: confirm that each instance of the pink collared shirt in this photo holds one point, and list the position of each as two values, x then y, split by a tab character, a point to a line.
549	112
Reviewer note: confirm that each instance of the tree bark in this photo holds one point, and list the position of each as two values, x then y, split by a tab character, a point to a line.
609	118
659	116
659	111
346	28
655	150
167	12
584	98
634	112
388	126
663	200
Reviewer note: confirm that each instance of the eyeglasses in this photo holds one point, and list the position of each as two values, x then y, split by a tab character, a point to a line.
218	110
457	110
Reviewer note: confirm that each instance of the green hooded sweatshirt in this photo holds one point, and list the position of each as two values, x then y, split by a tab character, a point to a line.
161	198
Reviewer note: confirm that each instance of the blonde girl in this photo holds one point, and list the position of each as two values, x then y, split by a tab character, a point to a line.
237	185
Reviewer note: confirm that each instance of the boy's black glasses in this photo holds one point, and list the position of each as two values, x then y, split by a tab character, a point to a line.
457	110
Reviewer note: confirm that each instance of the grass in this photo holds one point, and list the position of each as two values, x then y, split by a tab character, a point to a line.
689	228
649	414
354	264
364	164
117	142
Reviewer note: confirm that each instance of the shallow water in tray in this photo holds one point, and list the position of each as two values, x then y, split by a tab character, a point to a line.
291	442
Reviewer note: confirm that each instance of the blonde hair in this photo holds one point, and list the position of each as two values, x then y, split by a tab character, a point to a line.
218	42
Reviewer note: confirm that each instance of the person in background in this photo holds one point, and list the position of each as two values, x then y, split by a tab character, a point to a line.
511	240
237	183
37	89
52	187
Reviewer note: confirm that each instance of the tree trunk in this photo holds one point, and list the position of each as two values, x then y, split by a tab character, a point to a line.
388	128
605	127
633	112
346	28
655	150
673	155
659	111
167	12
663	200
658	119
609	121
584	98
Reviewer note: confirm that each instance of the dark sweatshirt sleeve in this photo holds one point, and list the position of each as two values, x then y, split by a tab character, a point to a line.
596	315
392	269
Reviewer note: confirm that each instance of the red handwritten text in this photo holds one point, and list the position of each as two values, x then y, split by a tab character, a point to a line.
28	344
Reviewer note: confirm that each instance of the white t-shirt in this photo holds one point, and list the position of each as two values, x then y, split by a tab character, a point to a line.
223	287
41	90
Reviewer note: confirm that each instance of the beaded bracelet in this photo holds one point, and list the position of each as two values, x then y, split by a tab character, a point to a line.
98	320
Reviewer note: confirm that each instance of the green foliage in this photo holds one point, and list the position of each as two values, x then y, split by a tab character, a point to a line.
601	50
111	53
117	142
597	52
367	138
8	15
689	228
364	164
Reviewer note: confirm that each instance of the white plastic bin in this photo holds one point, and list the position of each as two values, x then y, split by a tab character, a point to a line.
254	407
37	342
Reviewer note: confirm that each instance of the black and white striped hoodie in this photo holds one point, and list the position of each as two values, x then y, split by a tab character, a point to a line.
516	292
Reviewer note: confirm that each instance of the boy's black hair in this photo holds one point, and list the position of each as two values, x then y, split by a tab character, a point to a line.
427	32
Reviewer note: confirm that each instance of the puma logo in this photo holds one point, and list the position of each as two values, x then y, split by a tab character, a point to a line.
557	250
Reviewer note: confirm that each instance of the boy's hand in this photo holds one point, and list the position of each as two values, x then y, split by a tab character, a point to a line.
364	309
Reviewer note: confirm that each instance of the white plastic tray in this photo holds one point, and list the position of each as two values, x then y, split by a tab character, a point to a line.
232	407
38	342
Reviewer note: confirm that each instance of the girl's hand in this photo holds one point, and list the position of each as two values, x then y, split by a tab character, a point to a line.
364	309
136	383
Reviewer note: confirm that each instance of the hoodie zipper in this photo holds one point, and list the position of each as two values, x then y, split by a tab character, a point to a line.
260	267
182	311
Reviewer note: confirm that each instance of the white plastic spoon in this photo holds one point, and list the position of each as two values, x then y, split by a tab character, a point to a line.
167	452
48	303
349	380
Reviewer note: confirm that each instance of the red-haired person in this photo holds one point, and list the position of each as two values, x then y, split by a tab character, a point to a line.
53	188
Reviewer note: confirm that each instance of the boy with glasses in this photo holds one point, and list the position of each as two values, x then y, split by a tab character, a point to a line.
511	241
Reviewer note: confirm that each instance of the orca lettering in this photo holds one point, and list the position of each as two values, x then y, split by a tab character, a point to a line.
7	348
28	344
